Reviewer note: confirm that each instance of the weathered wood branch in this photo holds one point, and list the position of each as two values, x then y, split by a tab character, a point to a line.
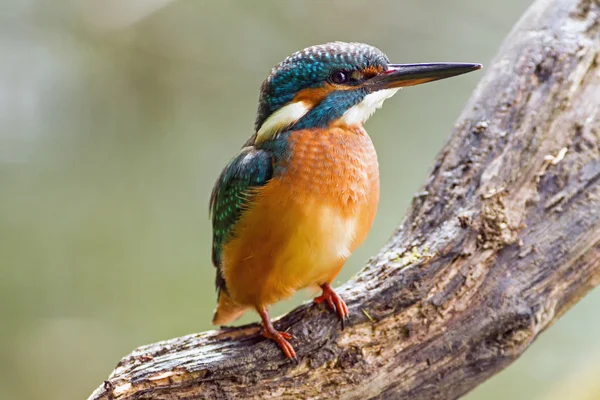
503	239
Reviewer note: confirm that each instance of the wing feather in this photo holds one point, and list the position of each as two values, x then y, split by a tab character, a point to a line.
232	194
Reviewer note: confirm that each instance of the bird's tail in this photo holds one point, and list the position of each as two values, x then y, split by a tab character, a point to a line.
227	310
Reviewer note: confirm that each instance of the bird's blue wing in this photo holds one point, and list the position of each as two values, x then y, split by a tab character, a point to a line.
232	193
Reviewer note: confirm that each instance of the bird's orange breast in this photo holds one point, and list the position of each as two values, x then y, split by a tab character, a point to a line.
304	223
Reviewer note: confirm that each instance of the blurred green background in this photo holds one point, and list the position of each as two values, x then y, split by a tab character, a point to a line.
115	119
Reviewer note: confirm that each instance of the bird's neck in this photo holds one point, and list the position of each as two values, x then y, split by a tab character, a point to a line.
331	110
339	108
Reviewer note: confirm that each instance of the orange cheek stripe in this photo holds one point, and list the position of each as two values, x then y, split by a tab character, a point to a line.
313	96
370	72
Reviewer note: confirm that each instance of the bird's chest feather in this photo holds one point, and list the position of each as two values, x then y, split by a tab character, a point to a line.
306	221
330	185
336	166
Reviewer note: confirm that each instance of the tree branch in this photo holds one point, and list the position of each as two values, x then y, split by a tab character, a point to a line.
504	238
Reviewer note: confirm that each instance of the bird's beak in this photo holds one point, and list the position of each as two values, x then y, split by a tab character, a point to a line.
400	75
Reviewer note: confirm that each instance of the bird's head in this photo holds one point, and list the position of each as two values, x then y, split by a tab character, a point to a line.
337	83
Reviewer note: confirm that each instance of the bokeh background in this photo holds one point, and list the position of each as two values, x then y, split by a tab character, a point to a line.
116	117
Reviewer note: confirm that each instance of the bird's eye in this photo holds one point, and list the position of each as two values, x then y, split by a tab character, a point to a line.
338	77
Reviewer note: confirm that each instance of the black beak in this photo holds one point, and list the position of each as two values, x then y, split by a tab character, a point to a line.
400	75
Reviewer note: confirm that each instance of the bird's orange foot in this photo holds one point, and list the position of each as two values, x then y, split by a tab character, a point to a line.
334	301
281	338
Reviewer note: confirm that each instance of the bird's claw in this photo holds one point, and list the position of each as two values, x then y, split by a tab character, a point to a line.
286	335
334	301
281	338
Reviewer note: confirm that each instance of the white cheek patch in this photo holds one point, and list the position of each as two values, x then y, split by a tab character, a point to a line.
363	110
281	119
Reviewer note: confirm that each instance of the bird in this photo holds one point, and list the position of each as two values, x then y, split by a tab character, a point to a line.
300	196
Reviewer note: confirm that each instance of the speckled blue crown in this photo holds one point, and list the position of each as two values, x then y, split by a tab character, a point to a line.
310	68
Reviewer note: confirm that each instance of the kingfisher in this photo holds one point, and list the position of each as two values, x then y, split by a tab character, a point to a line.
300	196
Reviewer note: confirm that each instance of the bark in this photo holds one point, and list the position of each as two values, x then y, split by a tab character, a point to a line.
502	240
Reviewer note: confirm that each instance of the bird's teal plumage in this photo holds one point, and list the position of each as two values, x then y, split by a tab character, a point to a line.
331	108
311	68
251	168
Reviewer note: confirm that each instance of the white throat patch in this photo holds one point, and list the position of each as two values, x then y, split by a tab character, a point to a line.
363	110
